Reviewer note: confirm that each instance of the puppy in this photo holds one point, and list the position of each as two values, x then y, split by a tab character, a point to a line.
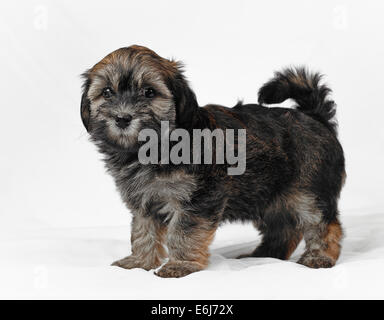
289	190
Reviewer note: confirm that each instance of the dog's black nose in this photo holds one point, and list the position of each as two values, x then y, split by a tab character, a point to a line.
123	122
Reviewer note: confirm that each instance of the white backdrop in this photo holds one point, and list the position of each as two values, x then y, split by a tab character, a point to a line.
51	175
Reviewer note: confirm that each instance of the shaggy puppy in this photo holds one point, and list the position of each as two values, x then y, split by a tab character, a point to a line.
289	190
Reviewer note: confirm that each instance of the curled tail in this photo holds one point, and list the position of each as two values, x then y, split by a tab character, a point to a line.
312	98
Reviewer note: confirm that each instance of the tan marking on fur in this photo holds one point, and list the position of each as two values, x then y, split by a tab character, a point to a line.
322	245
161	232
300	81
191	257
192	245
148	66
332	238
135	55
202	252
212	120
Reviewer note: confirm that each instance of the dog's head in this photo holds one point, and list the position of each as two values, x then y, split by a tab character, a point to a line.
131	89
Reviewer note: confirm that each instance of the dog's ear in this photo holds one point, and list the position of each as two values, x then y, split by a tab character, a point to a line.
85	110
185	100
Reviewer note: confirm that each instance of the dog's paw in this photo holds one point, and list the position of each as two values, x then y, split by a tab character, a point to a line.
316	261
132	262
178	269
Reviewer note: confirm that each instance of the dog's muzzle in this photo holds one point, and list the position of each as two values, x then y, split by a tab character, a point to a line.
123	122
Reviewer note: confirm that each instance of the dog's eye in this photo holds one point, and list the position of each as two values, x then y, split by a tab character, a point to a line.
107	93
149	92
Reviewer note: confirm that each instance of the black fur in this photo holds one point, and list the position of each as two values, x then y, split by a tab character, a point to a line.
85	104
185	100
305	88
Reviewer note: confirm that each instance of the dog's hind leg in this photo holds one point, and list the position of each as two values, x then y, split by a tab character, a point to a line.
278	241
322	245
322	231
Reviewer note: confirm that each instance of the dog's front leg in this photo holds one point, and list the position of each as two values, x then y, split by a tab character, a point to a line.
147	237
188	239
